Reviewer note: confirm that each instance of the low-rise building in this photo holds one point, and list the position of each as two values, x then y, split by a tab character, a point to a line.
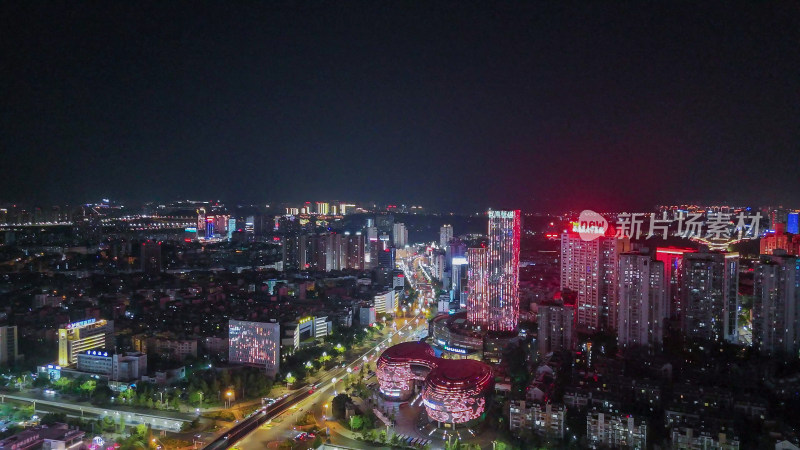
687	438
117	367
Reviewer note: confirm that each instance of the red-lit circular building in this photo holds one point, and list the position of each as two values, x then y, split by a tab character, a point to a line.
400	366
454	390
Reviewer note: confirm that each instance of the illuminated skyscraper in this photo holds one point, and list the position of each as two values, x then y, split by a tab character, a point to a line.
477	306
642	304
445	234
256	343
589	269
502	264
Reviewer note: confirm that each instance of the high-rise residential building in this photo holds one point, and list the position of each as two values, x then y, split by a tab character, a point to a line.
776	305
445	235
672	258
502	263
355	251
709	296
556	327
150	256
77	337
9	345
400	235
256	343
322	208
642	303
589	269
477	289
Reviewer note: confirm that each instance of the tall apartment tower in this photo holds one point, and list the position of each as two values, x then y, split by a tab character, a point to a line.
150	257
9	345
502	263
776	305
672	258
589	269
445	234
400	235
709	296
556	327
477	278
642	301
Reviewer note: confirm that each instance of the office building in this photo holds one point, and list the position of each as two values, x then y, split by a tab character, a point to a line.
477	289
556	327
445	235
78	337
256	343
150	257
385	302
589	269
366	316
399	235
9	345
126	367
502	263
709	296
776	305
458	271
792	225
642	305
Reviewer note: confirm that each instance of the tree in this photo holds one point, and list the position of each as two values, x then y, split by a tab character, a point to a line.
338	405
356	422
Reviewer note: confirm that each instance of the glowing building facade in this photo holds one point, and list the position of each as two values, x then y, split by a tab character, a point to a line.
477	276
502	264
256	343
454	391
78	337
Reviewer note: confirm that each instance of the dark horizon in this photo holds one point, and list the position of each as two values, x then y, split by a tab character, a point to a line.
546	107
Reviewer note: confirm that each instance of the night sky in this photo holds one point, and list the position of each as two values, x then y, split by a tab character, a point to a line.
541	107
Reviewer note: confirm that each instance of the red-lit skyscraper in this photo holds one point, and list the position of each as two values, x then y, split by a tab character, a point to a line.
502	264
